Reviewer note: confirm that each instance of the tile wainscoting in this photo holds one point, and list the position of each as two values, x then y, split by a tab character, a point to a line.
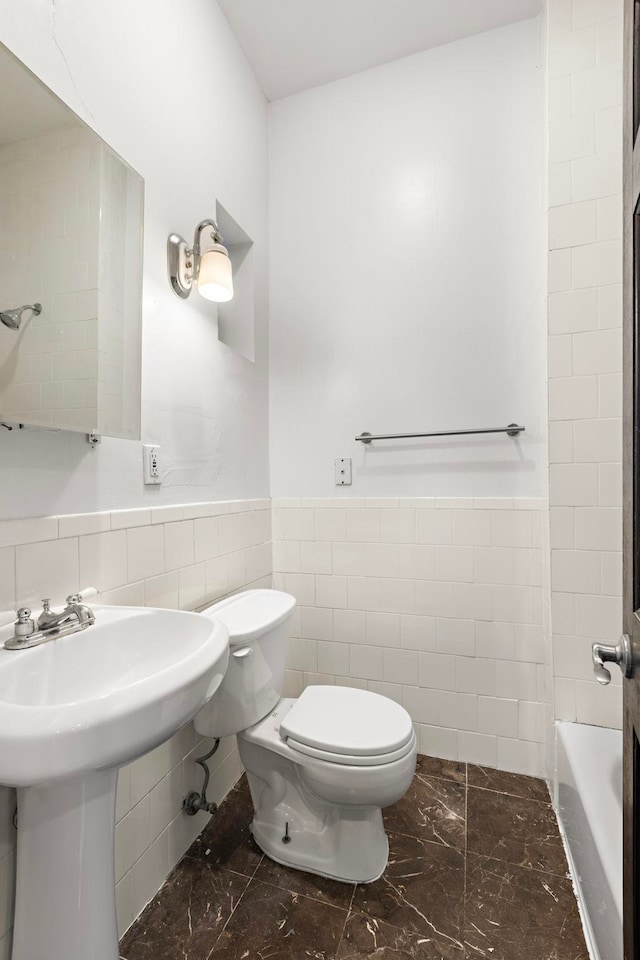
180	557
435	603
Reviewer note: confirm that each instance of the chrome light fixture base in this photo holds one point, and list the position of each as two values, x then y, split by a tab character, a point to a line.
180	265
186	265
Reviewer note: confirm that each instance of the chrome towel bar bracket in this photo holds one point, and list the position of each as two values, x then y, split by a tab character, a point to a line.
512	430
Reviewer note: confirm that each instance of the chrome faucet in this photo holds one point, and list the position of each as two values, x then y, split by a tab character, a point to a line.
75	611
76	616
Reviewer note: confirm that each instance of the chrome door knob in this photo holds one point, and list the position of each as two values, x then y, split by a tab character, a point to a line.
619	653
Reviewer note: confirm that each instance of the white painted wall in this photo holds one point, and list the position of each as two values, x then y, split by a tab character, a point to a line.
405	273
181	105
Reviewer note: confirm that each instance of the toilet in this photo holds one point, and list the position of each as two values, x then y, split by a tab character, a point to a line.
320	767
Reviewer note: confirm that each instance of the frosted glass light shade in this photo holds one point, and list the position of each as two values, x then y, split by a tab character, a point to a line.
215	280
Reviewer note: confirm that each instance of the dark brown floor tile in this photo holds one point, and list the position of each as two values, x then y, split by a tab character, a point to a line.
446	769
529	788
519	904
272	923
513	912
367	939
226	840
307	884
432	809
187	916
421	891
522	832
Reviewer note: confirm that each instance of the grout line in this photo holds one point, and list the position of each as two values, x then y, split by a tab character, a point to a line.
236	905
353	896
433	776
522	866
463	924
346	920
466	810
516	796
466	841
437	842
307	896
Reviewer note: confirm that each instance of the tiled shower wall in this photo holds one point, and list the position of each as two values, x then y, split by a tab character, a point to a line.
178	557
49	212
585	352
434	603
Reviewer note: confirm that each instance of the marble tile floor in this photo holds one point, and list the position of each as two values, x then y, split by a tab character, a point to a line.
476	870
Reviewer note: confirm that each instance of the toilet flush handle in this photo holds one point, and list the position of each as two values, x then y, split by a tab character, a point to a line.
242	653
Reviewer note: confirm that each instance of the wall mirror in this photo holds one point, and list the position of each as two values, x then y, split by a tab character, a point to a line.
71	215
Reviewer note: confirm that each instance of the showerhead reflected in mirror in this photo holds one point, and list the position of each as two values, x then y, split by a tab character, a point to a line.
13	318
70	267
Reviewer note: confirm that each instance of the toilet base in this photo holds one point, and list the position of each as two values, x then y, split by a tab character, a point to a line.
295	827
353	848
320	817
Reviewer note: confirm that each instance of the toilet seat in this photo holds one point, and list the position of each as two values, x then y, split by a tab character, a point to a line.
348	726
331	802
348	760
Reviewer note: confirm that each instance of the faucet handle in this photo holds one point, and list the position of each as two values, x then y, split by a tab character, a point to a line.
74	598
46	605
24	625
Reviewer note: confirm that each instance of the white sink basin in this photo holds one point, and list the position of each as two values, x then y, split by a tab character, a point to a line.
72	711
103	696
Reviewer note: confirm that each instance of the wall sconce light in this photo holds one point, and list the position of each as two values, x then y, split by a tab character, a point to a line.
209	269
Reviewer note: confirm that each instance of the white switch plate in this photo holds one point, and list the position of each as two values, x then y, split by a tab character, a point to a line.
151	462
343	472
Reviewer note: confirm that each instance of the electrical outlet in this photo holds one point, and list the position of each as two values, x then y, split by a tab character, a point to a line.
343	472
151	461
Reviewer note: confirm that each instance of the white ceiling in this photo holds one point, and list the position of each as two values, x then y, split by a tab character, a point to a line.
296	44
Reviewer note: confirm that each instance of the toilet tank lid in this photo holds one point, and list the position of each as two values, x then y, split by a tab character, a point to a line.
252	613
347	720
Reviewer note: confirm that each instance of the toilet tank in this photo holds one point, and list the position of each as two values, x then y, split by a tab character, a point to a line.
258	625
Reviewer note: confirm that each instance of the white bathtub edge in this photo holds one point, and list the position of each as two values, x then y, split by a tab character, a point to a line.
587	770
583	913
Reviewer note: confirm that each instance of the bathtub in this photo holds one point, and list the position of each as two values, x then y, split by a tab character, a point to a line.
588	799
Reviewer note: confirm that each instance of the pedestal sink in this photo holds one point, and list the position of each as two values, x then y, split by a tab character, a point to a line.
71	712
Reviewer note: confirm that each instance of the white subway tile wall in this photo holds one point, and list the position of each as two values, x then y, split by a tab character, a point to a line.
51	258
181	557
435	603
585	351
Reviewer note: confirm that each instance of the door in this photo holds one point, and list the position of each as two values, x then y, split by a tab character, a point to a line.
629	648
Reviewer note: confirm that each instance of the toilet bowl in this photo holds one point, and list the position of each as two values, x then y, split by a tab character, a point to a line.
320	767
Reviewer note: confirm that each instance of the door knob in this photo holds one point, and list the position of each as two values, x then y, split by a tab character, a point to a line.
619	653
